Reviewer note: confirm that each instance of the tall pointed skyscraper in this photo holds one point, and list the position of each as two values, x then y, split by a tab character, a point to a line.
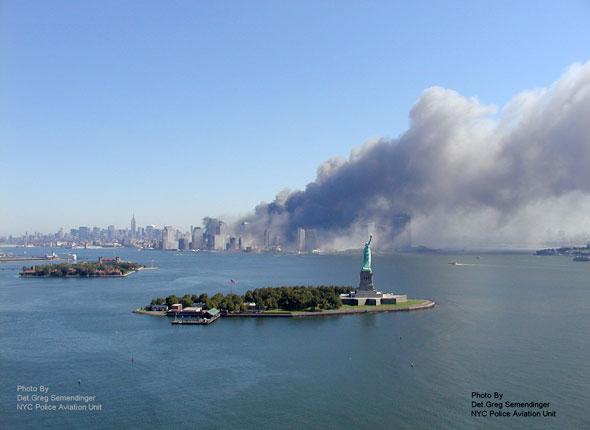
133	226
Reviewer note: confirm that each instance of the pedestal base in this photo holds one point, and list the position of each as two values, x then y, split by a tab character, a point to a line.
375	300
366	281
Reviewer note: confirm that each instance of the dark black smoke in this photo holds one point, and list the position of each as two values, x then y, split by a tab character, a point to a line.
467	174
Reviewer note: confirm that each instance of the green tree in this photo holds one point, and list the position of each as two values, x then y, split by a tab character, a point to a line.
186	301
216	300
171	300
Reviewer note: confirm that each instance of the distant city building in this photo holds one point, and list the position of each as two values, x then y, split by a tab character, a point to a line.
197	238
266	239
222	228
84	233
133	226
217	242
212	226
233	244
169	238
183	244
150	232
215	235
111	232
243	228
301	240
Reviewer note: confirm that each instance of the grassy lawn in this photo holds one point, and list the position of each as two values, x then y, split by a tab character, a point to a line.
348	307
284	311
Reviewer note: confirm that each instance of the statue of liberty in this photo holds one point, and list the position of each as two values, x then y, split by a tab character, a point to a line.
367	256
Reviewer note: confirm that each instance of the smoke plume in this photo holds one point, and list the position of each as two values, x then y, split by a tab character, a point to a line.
468	175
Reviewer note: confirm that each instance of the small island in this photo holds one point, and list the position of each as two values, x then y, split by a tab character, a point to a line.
285	301
103	268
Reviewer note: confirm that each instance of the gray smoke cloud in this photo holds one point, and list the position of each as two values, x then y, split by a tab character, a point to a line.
467	173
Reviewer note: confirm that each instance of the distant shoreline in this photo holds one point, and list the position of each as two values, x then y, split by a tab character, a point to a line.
350	251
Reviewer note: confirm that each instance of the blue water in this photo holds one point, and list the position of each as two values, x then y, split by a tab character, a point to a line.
516	324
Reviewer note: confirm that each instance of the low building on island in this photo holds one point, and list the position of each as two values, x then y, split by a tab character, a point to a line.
176	307
366	294
196	312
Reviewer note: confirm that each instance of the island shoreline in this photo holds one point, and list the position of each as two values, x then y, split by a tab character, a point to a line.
426	304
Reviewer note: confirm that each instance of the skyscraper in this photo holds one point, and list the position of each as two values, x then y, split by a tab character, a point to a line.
197	238
133	226
300	240
183	244
243	228
84	233
266	239
169	238
111	232
149	232
217	242
212	226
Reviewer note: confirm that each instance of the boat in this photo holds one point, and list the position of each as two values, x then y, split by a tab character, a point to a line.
582	258
454	263
14	258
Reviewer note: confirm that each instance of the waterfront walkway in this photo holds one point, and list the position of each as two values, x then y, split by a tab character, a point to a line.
426	304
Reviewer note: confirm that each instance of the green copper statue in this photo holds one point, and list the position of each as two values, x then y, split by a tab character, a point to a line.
367	256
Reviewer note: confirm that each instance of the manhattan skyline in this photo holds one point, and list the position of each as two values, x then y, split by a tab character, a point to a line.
107	105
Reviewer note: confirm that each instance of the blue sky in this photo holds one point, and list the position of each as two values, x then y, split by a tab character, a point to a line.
180	109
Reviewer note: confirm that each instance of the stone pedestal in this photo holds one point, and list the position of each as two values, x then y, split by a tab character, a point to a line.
366	282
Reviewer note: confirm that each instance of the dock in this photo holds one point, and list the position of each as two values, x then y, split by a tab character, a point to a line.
196	321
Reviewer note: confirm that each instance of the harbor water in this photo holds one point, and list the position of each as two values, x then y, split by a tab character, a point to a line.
511	324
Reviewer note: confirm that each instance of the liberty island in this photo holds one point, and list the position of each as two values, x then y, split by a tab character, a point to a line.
288	301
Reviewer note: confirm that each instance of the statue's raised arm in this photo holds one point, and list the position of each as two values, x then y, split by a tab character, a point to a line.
367	256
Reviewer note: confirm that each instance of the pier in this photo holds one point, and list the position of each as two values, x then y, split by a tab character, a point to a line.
196	321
